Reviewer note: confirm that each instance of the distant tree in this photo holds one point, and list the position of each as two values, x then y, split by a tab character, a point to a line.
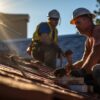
97	12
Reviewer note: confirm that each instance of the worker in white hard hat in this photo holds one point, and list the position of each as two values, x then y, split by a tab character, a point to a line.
44	46
88	65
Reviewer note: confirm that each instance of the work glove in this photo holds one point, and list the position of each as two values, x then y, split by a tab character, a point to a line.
60	72
78	73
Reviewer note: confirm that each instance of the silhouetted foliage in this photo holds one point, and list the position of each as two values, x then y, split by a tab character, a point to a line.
97	12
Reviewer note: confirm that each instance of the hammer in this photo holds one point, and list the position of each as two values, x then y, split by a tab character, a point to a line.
62	71
68	55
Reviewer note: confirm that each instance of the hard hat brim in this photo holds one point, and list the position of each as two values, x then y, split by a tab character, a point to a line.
54	17
73	20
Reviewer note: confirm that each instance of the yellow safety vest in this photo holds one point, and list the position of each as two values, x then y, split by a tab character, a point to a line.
37	37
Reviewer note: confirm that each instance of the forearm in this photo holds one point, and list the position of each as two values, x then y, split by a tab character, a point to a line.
78	64
86	54
92	60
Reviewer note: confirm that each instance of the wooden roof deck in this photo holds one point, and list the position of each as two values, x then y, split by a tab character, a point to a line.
36	84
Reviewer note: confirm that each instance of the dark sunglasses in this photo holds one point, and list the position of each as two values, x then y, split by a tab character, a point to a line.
55	19
80	21
77	22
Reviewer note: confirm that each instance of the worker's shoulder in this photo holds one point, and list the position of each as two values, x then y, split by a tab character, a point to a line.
43	24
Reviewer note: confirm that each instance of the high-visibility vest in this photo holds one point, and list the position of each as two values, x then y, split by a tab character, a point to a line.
36	35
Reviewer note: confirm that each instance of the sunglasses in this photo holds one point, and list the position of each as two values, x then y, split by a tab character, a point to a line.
77	22
55	19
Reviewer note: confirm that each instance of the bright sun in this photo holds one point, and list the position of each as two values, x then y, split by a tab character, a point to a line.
4	5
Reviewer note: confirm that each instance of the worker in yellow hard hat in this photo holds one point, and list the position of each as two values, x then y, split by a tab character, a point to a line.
44	46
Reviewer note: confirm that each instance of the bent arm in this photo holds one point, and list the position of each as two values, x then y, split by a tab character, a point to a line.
92	60
87	51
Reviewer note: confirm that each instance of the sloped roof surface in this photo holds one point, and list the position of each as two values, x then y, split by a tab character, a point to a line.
25	80
22	79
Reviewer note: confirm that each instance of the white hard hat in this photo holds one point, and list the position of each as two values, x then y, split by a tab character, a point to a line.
80	11
54	14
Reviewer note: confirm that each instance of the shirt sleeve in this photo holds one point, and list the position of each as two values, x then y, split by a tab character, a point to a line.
44	28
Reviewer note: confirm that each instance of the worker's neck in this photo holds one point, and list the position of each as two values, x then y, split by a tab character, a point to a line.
89	32
52	26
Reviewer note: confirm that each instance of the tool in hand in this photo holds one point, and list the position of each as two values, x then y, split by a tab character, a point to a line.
62	71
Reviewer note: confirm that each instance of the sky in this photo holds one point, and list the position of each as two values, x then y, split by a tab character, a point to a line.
38	11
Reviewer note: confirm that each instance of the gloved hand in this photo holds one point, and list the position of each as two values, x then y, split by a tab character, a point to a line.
78	73
60	72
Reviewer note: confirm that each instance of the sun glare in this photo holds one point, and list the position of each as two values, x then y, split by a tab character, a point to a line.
5	5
